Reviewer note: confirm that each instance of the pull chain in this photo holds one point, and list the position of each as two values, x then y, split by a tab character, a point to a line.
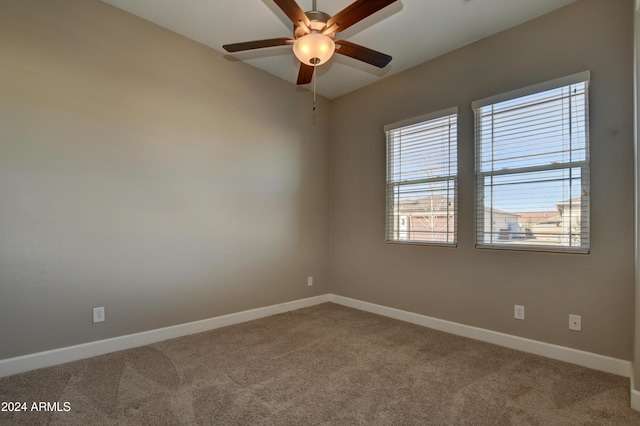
314	90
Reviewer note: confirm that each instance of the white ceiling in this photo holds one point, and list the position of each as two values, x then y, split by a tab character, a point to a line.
411	31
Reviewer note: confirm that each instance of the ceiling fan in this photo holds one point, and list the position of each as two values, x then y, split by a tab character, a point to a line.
314	32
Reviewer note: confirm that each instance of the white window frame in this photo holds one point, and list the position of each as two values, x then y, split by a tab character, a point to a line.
394	218
583	165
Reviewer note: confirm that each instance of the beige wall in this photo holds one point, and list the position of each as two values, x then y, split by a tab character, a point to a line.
148	174
480	287
143	172
636	70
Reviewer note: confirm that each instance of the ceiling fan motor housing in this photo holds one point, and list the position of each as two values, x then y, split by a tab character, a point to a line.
318	20
312	47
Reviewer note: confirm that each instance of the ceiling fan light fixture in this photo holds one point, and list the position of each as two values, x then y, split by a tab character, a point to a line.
314	49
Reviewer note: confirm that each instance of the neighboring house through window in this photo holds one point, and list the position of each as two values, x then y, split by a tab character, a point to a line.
422	182
532	167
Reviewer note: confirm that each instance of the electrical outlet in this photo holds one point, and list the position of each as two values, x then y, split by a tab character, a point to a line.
309	281
98	314
575	322
518	312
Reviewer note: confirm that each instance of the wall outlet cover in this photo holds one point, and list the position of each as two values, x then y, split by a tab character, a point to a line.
575	322
98	314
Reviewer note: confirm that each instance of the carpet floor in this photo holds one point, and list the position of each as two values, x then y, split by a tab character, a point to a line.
323	365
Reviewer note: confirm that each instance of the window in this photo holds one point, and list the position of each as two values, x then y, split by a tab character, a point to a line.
422	180
532	167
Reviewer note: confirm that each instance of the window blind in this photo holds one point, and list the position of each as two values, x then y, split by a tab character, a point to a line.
532	168
422	179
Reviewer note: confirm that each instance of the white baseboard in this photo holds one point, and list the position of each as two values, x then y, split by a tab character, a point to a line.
635	399
72	353
635	394
29	362
561	353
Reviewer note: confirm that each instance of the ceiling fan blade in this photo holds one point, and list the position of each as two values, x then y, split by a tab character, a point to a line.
356	12
305	74
362	53
257	44
293	11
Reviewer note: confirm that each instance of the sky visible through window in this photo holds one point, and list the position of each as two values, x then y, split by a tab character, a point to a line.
422	180
543	129
532	170
546	129
419	151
